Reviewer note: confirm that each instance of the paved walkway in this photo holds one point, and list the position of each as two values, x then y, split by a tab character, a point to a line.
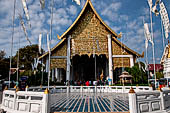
89	102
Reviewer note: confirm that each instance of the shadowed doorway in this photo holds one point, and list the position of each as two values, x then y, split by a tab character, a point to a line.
87	68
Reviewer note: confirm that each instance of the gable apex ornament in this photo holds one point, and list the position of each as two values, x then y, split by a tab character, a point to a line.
115	36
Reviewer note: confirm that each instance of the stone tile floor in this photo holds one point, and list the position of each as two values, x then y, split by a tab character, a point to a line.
89	102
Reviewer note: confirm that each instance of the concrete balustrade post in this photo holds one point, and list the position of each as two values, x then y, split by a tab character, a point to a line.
14	102
81	90
162	100
95	89
45	106
68	89
132	101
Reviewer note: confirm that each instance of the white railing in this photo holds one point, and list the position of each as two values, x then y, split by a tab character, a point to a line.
166	99
149	102
24	102
102	89
92	89
52	89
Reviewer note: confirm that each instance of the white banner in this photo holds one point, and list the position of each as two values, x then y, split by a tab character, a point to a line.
24	28
147	33
146	43
150	3
164	18
77	2
26	11
48	44
40	38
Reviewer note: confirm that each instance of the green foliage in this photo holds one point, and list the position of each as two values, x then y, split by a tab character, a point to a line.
4	65
159	75
35	80
139	76
2	55
4	68
26	56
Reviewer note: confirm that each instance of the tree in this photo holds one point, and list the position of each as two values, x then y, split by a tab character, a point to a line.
159	75
26	56
2	54
139	76
4	65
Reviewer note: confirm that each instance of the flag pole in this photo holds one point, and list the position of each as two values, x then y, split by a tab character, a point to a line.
147	63
49	70
18	61
49	61
153	50
12	43
51	21
42	64
146	49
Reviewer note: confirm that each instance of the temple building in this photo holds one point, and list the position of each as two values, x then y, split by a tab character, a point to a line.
89	48
165	61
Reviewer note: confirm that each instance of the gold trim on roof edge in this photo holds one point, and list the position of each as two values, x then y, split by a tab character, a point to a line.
82	11
52	48
63	36
127	48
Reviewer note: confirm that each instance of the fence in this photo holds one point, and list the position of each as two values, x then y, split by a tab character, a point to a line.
24	102
35	100
92	89
154	101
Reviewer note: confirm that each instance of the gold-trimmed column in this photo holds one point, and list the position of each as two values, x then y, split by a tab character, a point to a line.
110	57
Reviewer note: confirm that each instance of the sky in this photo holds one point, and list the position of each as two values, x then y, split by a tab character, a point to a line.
124	16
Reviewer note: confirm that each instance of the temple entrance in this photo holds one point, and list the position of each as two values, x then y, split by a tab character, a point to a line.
87	68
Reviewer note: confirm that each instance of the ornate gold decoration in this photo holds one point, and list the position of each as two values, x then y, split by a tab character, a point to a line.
118	49
121	62
169	53
58	63
131	90
61	50
89	36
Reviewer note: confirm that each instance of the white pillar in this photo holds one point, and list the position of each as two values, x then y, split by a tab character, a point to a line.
132	101
68	58
53	71
131	61
162	100
56	74
110	57
60	75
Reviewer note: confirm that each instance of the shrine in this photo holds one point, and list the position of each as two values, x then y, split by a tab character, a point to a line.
89	48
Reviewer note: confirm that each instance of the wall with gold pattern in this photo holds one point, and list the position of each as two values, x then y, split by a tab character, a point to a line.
89	36
61	50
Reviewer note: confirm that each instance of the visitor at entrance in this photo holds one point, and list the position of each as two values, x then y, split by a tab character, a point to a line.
87	83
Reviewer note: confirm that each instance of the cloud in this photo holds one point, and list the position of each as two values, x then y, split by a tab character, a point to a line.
72	10
113	12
